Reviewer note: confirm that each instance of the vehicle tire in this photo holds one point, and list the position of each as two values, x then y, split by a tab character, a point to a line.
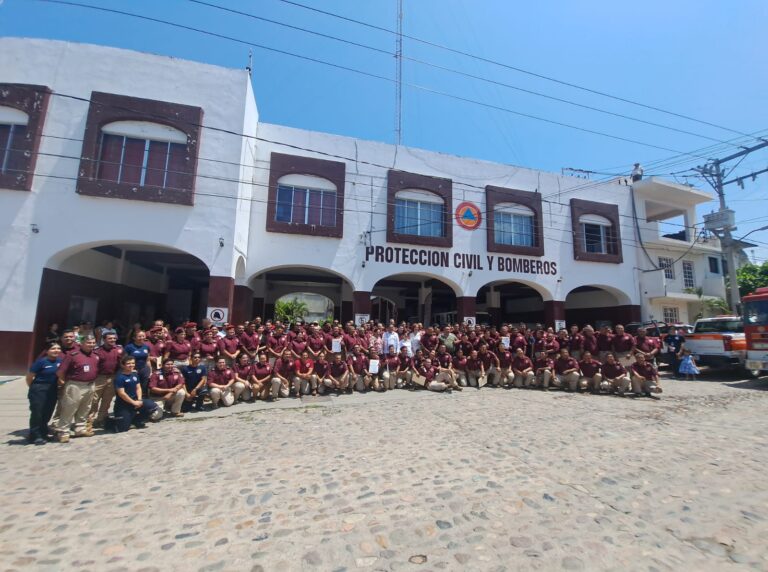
753	373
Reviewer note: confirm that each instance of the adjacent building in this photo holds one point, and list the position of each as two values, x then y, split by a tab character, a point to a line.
134	185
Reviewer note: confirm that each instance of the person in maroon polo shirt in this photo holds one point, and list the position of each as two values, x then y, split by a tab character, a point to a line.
544	367
590	372
284	375
490	364
167	386
522	369
615	374
589	341
622	345
221	381
261	377
604	343
242	369
575	342
178	349
505	375
359	377
77	374
209	345
567	371
250	340
646	345
338	376
276	343
389	367
229	345
305	372
110	354
645	378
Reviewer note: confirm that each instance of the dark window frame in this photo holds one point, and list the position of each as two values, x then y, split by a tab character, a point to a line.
108	108
32	100
581	207
714	262
443	188
281	165
498	195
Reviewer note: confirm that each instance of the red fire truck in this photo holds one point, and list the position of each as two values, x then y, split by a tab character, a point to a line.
756	331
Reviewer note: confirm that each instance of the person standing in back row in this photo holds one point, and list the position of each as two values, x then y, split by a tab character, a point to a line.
77	375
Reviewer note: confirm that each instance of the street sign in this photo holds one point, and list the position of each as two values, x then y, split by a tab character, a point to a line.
218	316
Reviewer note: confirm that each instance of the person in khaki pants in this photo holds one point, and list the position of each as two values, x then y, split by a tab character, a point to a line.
615	374
522	369
590	372
168	386
110	354
543	366
77	375
567	371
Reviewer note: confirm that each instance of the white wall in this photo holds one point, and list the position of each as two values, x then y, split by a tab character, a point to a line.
66	219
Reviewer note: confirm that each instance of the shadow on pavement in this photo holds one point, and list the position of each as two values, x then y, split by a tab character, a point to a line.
756	384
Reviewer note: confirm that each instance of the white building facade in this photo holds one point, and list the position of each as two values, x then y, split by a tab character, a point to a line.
156	191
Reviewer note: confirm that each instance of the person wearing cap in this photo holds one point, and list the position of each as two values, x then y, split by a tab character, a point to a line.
229	345
644	377
522	369
178	349
168	389
221	381
544	367
193	336
615	374
591	374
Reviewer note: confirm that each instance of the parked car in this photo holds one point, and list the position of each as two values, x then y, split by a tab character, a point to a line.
718	341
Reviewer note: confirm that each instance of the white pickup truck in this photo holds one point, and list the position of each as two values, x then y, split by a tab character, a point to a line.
718	341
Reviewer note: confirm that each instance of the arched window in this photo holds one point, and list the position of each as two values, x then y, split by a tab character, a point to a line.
13	131
419	213
306	199
513	225
142	153
597	234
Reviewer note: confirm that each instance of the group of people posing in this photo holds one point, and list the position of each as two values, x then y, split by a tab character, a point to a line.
74	382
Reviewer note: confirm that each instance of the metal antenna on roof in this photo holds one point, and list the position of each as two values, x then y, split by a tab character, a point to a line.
249	67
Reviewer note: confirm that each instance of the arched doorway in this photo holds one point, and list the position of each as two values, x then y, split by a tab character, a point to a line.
314	307
510	302
125	283
325	293
417	298
599	305
383	309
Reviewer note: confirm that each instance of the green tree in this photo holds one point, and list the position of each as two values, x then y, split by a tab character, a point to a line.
290	310
750	277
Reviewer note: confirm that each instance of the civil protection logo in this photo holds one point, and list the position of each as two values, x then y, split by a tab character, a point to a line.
468	215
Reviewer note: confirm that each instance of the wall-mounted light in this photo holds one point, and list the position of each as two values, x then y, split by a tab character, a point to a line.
363	263
34	228
221	242
470	273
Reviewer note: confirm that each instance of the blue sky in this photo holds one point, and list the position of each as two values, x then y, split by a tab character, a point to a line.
702	58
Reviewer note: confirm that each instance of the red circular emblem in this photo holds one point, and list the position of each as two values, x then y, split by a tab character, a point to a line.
468	216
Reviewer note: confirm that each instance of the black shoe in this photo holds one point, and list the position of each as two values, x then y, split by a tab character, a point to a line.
140	425
39	441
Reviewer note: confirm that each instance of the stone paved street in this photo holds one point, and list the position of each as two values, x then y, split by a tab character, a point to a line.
478	480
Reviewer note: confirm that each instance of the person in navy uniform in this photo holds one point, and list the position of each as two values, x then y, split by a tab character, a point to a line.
674	343
196	380
130	406
42	393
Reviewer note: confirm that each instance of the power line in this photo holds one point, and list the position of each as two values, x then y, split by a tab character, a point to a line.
374	76
399	56
514	68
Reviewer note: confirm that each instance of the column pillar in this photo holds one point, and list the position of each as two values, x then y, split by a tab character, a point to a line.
493	306
361	302
553	310
242	305
465	307
221	293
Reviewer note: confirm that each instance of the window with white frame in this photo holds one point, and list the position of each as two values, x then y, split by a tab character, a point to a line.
669	268
513	225
142	153
419	213
305	199
671	314
597	234
13	130
689	279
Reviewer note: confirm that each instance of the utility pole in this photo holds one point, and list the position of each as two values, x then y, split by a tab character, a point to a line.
399	76
722	223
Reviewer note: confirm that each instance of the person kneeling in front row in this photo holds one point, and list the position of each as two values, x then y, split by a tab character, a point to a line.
130	406
567	371
196	381
168	388
591	377
615	374
221	384
645	378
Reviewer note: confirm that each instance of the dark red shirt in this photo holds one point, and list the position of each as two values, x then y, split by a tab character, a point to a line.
261	370
589	344
316	343
285	367
392	362
646	344
304	365
590	368
522	363
612	371
250	342
445	360
298	346
243	371
208	349
645	370
227	344
162	381
506	359
622	343
474	364
79	366
564	364
487	359
178	350
358	363
429	373
604	342
544	362
109	359
321	368
576	342
338	369
220	377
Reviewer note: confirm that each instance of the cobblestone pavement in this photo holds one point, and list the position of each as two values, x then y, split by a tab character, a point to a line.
479	480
